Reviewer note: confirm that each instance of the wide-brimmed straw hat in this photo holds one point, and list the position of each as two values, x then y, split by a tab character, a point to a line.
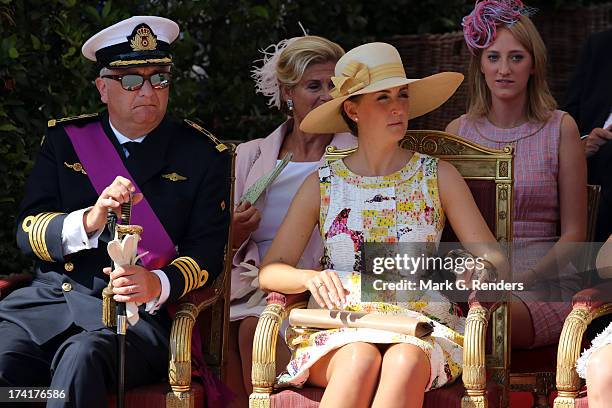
374	67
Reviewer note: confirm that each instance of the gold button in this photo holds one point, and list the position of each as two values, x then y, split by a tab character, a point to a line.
68	266
66	287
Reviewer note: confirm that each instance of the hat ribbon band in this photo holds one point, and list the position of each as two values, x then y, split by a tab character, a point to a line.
357	76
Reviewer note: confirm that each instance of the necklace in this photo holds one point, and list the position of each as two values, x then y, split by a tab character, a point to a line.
513	141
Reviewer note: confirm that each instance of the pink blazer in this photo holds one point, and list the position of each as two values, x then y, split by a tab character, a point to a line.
254	159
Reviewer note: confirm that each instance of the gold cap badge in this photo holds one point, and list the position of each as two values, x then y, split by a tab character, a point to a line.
143	39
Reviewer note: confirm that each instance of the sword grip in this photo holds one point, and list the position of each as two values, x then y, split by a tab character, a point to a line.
126	212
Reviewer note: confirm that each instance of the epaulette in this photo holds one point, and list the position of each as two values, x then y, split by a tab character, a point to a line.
218	145
54	122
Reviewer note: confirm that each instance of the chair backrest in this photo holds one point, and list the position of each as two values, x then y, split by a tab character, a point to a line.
214	320
593	195
489	175
586	263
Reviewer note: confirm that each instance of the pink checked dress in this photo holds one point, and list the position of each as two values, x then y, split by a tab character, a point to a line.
535	209
401	207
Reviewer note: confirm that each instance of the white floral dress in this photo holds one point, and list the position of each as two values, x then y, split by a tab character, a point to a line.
402	207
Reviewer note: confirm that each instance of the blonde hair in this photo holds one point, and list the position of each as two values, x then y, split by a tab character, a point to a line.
302	52
540	102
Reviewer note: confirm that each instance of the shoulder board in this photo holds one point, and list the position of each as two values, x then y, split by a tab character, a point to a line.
218	145
54	122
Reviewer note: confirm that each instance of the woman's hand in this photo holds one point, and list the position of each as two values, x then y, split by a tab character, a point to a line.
326	288
246	220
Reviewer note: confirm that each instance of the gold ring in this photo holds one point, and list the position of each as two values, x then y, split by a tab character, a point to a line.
318	284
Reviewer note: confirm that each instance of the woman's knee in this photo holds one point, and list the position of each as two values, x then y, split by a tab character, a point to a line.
406	359
358	358
598	367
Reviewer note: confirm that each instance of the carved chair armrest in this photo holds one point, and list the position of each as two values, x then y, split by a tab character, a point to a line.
201	298
588	305
474	353
489	300
264	343
179	368
595	297
187	310
288	301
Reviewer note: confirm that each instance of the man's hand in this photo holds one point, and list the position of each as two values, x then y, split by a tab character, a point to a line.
134	284
246	220
597	138
112	197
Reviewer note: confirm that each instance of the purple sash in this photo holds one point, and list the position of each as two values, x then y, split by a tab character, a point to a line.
102	164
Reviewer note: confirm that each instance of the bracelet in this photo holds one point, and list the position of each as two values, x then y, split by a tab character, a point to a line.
489	272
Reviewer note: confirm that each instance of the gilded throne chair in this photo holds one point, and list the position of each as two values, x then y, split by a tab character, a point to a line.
488	174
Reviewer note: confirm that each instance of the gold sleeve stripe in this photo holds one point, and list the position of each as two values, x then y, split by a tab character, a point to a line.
203	277
185	273
189	272
36	227
33	234
40	236
201	274
194	276
195	268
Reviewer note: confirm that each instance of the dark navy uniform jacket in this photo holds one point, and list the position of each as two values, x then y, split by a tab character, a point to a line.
589	101
186	180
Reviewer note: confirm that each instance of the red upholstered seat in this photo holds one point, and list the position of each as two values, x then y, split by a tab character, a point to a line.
12	282
589	305
447	397
154	396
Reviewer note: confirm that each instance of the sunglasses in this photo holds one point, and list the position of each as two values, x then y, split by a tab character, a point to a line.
133	82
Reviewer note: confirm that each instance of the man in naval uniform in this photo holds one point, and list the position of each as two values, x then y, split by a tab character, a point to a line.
51	333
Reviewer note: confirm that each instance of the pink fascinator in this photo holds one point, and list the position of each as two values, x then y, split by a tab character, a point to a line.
480	26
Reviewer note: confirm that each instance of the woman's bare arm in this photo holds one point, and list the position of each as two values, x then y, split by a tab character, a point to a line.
278	272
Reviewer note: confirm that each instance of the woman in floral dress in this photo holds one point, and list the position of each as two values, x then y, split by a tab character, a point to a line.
380	193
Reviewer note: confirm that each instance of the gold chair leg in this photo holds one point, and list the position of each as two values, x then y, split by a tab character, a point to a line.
474	366
260	399
570	343
179	369
565	400
179	400
263	370
477	400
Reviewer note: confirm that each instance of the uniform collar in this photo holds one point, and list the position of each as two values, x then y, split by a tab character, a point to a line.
121	138
151	157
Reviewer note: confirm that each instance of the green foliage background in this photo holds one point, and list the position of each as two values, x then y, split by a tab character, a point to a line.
43	75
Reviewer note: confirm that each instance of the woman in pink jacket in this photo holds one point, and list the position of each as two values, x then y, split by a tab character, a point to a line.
295	77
